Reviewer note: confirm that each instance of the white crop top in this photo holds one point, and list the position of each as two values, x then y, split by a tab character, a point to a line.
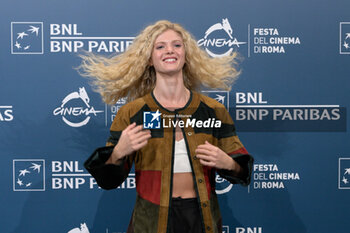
181	161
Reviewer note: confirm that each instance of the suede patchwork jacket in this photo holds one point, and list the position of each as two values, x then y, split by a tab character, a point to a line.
204	119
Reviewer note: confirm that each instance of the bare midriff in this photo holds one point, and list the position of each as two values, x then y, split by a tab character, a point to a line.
183	185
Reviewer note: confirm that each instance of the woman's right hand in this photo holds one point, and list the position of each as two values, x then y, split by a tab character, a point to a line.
132	139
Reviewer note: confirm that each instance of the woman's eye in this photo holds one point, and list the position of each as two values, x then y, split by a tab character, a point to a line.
178	45
159	47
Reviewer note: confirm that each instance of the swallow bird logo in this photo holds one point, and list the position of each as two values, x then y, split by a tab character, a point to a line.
221	96
344	173
344	38
27	38
28	175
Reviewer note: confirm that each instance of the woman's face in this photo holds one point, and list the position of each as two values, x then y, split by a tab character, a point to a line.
168	55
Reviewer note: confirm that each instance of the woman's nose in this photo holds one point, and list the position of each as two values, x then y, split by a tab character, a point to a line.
169	49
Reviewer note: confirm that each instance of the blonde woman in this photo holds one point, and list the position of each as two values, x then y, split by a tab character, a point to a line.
192	138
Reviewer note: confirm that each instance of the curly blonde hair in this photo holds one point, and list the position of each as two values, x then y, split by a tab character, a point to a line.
131	75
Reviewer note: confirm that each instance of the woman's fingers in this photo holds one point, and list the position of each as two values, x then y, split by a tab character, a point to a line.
212	156
207	146
135	129
130	127
207	160
140	145
204	157
138	137
207	163
142	137
132	139
204	151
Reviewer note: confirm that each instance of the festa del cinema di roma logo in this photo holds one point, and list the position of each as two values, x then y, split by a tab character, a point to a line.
70	112
214	40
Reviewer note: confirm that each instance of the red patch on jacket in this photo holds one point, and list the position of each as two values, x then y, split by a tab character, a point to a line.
242	151
208	173
148	185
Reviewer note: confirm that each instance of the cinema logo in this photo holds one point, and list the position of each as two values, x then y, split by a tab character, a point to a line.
254	114
82	229
269	176
270	40
6	113
222	185
75	109
219	41
152	120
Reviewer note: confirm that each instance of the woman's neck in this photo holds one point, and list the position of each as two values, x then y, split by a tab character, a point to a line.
170	91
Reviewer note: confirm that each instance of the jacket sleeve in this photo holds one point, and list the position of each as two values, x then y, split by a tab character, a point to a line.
110	176
229	142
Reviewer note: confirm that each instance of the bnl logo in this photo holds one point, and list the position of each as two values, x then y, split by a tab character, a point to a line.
28	175
344	173
344	38
221	96
151	120
27	38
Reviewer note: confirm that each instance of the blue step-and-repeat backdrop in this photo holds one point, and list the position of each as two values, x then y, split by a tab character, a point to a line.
290	107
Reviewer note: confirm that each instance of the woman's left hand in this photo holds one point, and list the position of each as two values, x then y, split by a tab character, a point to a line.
212	156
